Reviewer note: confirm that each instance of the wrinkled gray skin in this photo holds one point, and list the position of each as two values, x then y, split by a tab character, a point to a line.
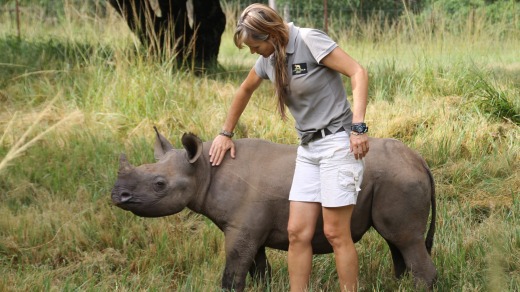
247	198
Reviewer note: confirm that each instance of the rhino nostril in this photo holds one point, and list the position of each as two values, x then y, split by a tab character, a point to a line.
125	196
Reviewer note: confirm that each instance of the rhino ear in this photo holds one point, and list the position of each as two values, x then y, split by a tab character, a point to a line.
193	146
162	145
124	165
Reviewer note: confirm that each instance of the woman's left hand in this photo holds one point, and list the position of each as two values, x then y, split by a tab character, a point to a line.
359	145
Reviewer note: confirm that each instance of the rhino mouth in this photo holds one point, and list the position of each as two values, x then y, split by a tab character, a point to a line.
125	197
122	198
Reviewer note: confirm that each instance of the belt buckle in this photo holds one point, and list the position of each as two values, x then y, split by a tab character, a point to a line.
323	133
320	134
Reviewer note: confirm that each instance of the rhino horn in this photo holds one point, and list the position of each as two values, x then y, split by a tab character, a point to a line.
124	165
162	145
193	146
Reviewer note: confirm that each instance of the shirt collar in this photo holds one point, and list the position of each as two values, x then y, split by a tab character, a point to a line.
293	33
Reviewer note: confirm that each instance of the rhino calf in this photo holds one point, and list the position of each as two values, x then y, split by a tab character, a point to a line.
247	198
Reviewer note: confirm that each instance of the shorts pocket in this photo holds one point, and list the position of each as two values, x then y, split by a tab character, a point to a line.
350	177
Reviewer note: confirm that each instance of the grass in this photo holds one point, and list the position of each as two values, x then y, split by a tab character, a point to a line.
83	91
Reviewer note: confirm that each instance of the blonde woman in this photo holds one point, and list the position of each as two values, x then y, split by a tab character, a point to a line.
305	66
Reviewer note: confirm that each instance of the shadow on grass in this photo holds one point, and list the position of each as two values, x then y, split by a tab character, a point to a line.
21	56
228	73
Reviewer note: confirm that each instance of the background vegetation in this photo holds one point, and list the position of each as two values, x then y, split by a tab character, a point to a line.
76	90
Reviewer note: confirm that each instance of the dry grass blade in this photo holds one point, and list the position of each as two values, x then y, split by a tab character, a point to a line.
21	145
9	125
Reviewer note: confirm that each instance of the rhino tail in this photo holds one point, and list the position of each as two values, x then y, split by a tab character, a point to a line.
431	230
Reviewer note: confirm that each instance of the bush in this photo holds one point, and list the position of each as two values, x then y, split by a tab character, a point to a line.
55	8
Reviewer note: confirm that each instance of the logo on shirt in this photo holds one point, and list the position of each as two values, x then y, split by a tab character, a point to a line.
298	69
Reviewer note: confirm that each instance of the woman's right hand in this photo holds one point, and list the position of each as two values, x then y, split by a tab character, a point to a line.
221	144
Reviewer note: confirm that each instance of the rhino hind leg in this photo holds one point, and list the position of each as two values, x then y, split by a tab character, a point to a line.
260	268
419	262
398	260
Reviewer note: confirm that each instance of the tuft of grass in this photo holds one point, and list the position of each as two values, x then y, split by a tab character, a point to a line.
495	102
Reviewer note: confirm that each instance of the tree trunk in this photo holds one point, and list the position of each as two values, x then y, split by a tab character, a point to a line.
188	30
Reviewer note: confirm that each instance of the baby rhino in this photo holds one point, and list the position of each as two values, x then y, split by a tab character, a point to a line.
247	198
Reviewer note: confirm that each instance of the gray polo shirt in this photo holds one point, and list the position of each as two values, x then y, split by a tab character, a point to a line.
317	97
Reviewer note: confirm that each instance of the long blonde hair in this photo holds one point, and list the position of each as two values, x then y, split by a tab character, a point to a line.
261	23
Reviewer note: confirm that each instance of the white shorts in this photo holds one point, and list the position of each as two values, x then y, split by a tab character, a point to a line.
327	172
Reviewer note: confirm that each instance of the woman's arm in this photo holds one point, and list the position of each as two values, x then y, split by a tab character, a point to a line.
341	62
221	144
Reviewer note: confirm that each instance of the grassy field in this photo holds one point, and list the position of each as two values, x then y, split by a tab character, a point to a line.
76	91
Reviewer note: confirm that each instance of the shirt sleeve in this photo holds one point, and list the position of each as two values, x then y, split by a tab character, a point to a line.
260	68
319	43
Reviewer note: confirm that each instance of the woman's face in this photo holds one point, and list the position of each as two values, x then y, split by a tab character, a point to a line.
263	48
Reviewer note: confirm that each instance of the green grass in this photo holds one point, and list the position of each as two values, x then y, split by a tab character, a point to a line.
451	94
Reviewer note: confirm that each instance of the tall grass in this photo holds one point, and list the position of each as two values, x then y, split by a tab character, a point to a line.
452	95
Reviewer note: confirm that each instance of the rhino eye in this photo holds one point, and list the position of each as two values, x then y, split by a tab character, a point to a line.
159	184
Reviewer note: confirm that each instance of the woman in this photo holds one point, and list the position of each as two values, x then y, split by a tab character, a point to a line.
305	66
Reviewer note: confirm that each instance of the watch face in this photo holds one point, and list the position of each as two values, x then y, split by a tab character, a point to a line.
227	134
359	128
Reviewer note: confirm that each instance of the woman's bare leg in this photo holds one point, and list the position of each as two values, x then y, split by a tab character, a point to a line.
337	230
301	227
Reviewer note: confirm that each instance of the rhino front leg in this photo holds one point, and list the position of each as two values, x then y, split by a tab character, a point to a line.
233	280
241	251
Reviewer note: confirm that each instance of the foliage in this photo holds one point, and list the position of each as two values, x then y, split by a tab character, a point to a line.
56	8
449	92
494	11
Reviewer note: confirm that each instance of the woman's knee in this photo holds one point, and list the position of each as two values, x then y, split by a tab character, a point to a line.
338	236
302	221
336	225
299	234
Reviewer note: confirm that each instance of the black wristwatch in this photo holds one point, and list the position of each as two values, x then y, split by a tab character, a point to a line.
360	128
227	134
